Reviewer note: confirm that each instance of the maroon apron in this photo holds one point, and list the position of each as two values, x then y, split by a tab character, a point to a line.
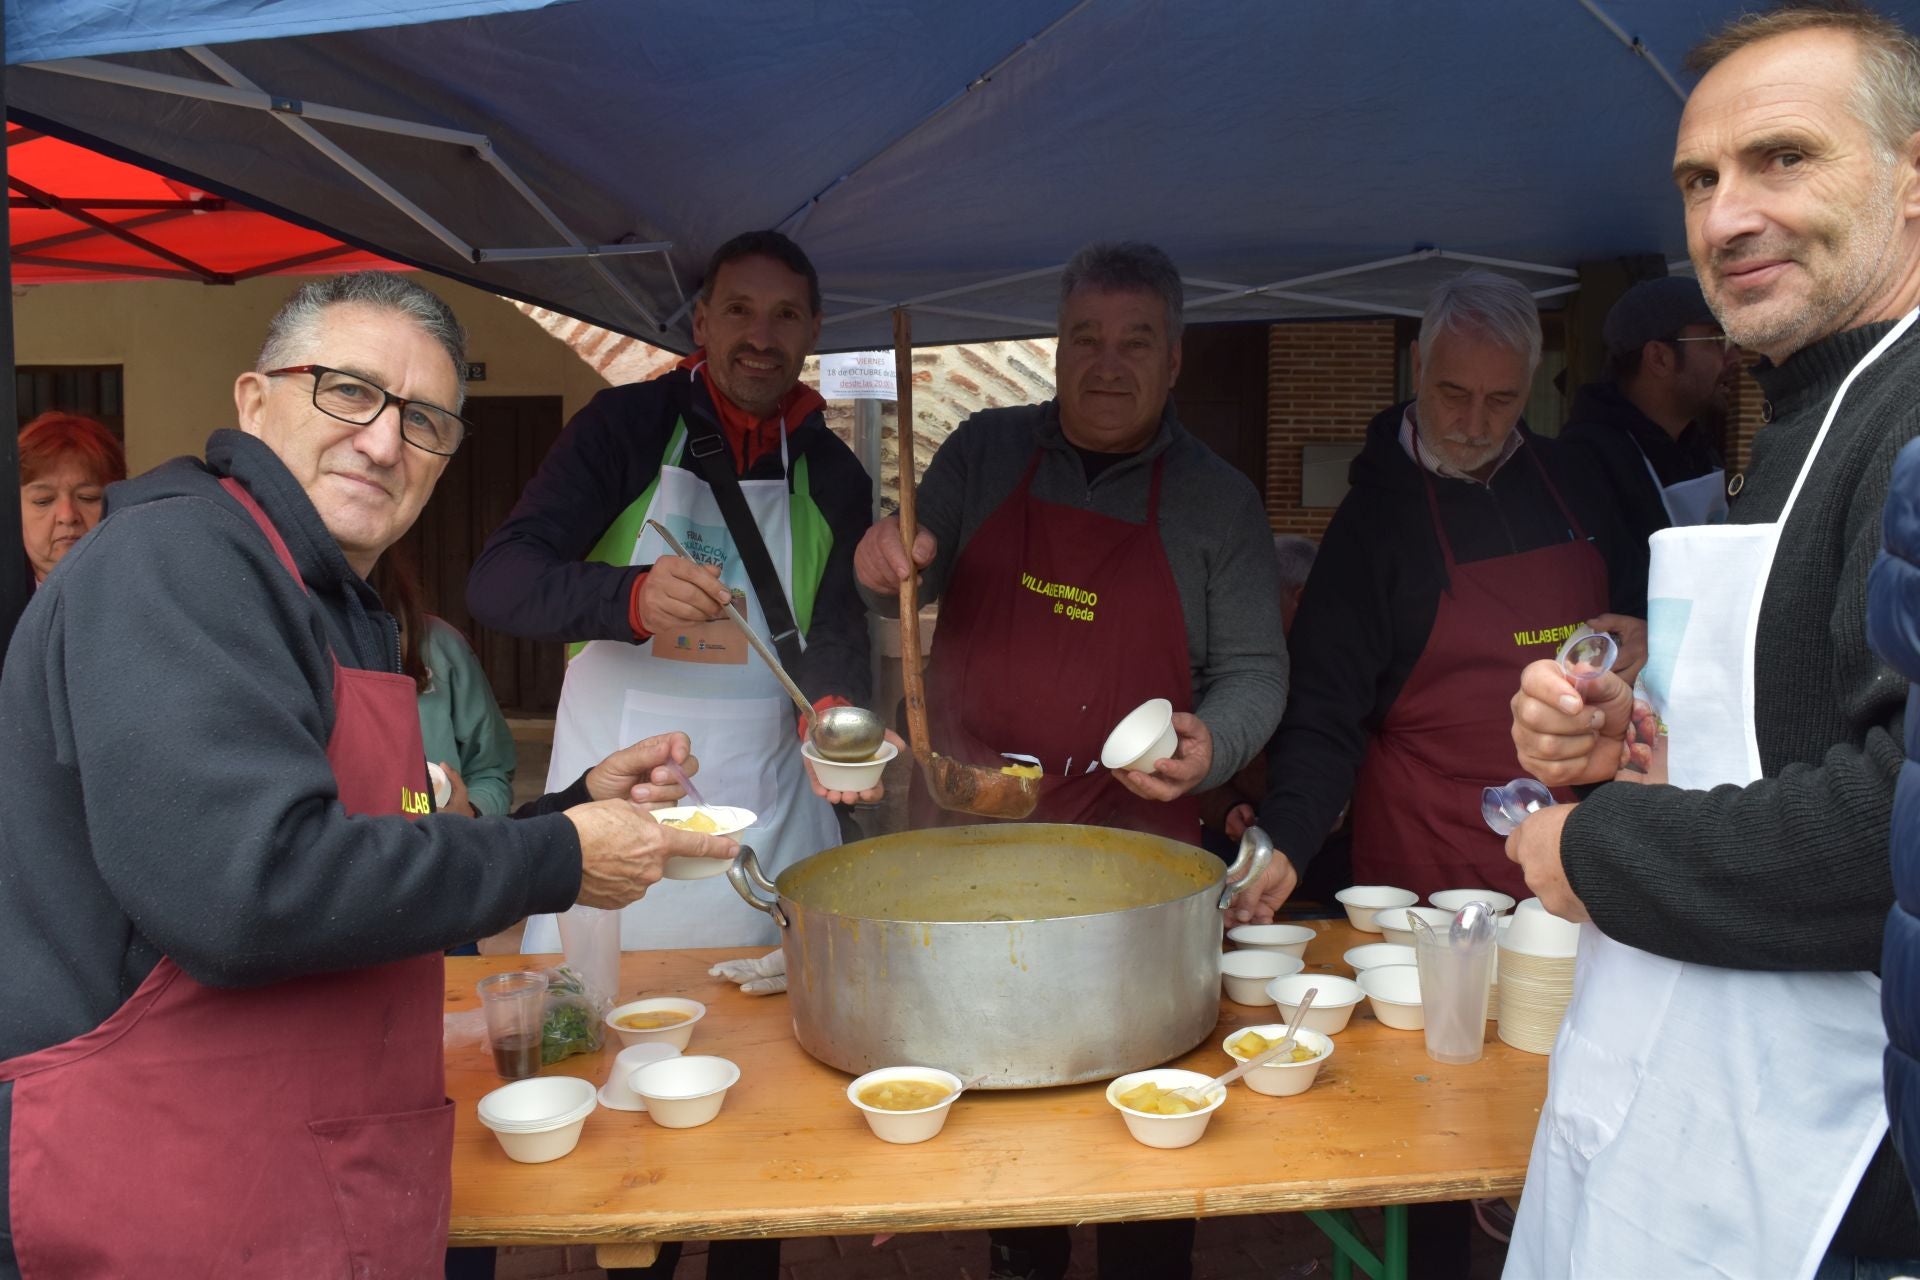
1416	803
1056	623
296	1130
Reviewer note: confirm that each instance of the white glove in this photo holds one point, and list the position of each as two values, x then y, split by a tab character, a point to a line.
766	976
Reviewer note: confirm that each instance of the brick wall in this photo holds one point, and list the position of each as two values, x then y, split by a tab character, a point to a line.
1325	382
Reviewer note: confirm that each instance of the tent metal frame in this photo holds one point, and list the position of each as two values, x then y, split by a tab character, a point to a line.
237	90
1224	291
296	114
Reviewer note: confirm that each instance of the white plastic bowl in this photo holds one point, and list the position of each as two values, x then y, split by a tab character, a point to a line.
1454	899
1371	955
1534	932
906	1127
731	821
1292	939
838	775
1394	992
1245	974
684	1093
1166	1132
617	1092
1282	1079
1393	922
1143	738
1331	1008
540	1118
1364	901
679	1035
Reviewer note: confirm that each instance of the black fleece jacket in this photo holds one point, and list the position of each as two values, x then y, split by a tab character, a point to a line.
164	714
1370	602
532	579
1792	871
1621	442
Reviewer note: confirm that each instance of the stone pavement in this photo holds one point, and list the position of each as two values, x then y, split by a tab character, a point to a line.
1261	1247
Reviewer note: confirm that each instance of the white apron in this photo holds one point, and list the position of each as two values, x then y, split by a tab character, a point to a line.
706	682
1690	1127
1701	500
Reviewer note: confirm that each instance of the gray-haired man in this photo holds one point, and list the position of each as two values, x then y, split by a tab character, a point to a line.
210	861
1465	547
1090	554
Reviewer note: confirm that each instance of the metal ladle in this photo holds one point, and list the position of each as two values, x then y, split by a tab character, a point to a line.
849	735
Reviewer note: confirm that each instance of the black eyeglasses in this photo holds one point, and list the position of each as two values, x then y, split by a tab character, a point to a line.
1726	344
354	399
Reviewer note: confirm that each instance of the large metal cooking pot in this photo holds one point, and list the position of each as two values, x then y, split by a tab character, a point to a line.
1037	954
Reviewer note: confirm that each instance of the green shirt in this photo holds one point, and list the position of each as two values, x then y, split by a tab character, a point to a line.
461	724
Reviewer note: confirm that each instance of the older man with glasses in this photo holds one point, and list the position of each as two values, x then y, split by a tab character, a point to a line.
1650	425
223	894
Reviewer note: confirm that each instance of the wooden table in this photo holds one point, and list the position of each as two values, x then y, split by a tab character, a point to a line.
1384	1124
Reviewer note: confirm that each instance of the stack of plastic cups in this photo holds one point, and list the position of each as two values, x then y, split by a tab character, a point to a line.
1536	976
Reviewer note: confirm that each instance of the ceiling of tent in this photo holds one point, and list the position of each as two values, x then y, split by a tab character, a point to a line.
1296	159
77	215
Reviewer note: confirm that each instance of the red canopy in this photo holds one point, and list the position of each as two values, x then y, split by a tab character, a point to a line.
75	214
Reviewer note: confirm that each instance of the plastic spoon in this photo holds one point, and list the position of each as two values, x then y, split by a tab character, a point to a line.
1196	1094
686	784
1586	655
1504	808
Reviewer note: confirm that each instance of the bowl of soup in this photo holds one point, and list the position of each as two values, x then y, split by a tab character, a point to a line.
665	1020
706	819
1287	1074
1156	1115
905	1104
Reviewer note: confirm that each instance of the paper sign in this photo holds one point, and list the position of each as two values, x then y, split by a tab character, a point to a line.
857	375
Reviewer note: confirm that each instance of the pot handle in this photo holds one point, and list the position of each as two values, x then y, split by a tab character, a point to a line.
1256	851
745	876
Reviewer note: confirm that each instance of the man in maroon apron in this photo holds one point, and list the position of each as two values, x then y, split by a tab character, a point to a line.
221	1054
1463	551
1090	554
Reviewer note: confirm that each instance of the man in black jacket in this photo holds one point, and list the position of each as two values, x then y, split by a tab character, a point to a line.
223	896
1649	425
1466	546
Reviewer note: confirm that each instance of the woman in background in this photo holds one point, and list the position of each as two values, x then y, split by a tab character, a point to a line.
460	723
66	464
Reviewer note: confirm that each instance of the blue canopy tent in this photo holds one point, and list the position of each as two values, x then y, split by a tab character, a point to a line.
1296	159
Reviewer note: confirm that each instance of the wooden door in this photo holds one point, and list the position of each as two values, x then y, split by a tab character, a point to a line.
511	434
1222	393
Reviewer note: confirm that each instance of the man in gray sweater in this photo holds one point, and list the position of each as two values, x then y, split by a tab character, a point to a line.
1714	1102
1089	555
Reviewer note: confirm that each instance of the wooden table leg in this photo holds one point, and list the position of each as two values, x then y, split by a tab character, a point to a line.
643	1253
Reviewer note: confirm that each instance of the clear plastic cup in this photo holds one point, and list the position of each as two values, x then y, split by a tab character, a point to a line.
515	1005
1456	967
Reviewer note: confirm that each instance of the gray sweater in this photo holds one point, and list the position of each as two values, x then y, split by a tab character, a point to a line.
1212	526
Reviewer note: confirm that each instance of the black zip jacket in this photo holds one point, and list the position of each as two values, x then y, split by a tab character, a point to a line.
164	714
1370	602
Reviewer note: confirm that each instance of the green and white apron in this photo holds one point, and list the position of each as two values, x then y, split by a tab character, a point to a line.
706	682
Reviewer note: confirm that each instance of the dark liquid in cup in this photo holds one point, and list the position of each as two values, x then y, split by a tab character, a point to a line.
516	1057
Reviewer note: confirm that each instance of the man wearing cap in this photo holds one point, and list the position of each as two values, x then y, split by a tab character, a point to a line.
1649	426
